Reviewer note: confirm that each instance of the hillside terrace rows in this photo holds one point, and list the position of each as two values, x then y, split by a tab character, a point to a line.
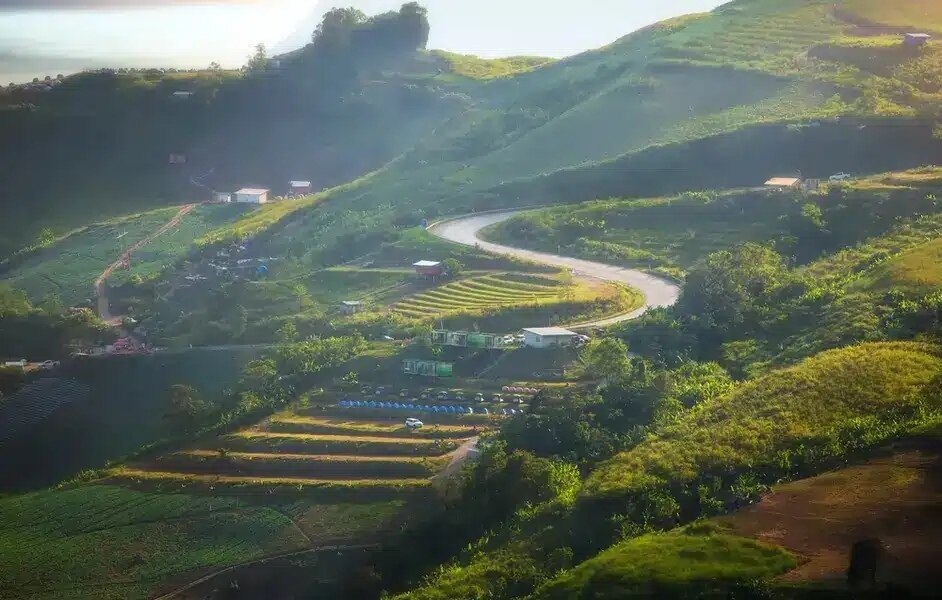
315	448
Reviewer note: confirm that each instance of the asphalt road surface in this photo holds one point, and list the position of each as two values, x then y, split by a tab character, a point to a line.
657	292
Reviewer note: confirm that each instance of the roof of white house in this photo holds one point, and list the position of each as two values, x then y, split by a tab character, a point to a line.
252	191
550	331
921	36
300	184
352	303
783	181
426	263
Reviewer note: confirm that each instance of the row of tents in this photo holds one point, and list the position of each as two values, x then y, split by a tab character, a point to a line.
453	410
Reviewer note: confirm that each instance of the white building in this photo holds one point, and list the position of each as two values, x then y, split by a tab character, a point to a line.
251	196
222	197
548	337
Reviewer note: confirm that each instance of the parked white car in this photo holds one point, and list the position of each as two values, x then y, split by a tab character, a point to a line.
48	365
412	423
841	177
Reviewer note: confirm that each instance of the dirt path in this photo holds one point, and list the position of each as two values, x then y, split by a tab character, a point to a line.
657	292
101	284
175	593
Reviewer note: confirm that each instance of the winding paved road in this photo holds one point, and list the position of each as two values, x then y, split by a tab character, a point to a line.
657	292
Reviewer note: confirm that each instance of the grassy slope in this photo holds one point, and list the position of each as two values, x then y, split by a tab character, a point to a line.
790	422
877	387
917	271
473	67
699	556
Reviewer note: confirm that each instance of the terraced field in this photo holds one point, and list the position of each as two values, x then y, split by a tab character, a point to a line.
489	291
785	34
326	449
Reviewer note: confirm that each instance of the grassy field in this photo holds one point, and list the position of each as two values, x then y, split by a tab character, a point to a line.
68	268
474	67
700	559
820	409
917	271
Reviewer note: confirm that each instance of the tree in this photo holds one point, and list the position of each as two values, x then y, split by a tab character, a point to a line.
414	18
606	359
215	66
453	266
731	290
187	408
259	60
333	32
287	333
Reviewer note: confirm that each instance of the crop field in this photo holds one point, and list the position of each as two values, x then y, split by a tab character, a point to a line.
100	541
506	302
67	269
122	406
311	451
772	42
922	14
36	401
490	291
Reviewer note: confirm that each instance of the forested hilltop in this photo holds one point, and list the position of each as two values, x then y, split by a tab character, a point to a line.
772	428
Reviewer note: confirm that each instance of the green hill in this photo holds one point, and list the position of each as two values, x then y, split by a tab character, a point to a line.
721	455
788	420
700	559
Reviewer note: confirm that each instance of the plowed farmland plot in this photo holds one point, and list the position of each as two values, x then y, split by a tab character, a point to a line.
323	451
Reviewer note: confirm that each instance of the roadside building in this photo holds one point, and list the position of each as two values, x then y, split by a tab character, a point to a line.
549	337
251	196
300	188
784	183
917	39
181	95
429	269
222	197
351	307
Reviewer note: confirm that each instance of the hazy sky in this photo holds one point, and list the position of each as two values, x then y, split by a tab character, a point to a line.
49	36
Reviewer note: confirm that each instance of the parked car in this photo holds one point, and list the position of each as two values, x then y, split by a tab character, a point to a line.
841	177
366	389
404	393
48	365
380	391
413	423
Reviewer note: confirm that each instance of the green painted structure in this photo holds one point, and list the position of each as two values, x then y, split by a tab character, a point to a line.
427	368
